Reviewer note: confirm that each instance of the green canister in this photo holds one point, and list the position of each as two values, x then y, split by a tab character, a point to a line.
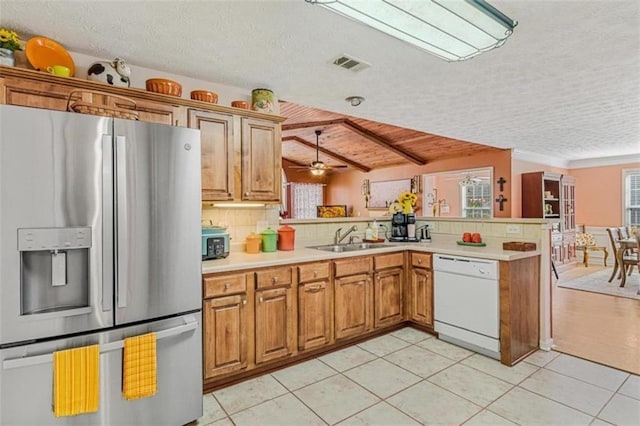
269	240
263	100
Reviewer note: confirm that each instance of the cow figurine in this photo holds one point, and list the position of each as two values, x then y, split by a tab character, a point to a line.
115	73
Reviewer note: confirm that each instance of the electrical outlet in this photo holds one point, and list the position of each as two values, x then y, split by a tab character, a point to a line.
514	229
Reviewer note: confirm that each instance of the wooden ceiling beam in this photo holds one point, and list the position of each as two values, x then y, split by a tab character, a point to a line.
328	153
307	124
294	162
369	135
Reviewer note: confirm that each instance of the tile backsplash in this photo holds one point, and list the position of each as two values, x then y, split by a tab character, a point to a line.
241	221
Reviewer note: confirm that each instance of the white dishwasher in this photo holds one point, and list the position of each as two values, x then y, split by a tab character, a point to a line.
466	302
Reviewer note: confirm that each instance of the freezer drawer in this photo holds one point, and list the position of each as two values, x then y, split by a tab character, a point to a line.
26	378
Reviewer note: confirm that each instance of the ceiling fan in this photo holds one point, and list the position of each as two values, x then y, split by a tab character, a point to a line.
468	180
317	167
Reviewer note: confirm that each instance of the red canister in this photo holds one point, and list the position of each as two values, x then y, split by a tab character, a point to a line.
286	238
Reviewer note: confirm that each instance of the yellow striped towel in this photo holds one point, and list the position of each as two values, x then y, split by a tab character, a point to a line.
139	367
76	379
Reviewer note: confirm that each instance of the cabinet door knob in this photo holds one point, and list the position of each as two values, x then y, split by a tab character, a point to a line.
244	301
261	299
246	194
419	261
315	274
274	279
427	275
226	286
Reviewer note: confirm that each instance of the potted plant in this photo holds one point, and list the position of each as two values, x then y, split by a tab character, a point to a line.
9	42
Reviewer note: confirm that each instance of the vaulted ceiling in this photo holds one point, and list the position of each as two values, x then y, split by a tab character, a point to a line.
362	144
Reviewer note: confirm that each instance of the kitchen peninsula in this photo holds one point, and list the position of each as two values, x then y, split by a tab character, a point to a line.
264	311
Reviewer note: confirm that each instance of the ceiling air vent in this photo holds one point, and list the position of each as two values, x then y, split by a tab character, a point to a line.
350	63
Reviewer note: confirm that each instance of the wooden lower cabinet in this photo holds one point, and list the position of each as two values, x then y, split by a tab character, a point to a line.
353	302
519	309
225	338
315	314
388	298
275	324
421	288
258	320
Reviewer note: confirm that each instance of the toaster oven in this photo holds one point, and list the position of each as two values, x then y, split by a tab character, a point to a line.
215	243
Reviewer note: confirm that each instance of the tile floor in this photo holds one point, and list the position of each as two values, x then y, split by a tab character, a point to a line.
409	377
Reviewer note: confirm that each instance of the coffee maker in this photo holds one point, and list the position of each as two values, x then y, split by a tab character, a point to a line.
403	227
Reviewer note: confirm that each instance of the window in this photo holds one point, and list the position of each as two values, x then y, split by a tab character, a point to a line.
631	187
476	200
305	197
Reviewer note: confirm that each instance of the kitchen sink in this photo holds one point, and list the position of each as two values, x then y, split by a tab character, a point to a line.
339	248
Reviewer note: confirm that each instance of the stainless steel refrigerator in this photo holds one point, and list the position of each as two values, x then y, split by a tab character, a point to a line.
99	240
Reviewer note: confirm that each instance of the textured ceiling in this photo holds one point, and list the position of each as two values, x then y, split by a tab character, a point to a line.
566	84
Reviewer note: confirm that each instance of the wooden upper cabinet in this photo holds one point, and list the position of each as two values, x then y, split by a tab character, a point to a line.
158	112
241	149
216	136
35	94
54	96
261	160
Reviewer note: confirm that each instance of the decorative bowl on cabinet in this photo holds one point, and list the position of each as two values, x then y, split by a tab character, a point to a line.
164	86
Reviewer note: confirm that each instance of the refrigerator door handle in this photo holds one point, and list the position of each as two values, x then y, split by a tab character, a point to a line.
190	323
122	222
107	223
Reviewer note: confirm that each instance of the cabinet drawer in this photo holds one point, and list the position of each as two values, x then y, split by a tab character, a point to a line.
224	285
388	260
273	277
421	260
313	272
359	265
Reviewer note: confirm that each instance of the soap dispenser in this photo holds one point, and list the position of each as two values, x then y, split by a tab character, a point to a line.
374	231
368	233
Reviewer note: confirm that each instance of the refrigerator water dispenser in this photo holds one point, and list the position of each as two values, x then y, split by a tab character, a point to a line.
54	269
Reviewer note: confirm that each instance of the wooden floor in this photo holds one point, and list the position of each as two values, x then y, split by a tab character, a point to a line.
597	327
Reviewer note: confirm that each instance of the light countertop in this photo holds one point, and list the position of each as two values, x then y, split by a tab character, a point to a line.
241	260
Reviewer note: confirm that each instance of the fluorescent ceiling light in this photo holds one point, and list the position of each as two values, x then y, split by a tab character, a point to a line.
453	30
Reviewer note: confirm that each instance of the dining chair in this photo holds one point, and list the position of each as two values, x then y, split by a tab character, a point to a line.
623	232
638	254
613	238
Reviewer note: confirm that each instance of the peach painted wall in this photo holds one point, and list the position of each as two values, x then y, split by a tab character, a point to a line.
449	190
599	194
344	188
518	167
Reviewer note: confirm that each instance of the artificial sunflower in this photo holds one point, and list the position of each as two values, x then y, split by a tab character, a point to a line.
407	200
9	40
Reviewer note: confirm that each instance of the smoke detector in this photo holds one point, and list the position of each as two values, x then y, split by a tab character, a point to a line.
355	100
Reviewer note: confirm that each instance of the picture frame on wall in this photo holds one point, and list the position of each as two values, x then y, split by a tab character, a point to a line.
384	193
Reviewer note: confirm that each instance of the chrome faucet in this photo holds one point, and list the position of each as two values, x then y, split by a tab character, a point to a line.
337	238
352	239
